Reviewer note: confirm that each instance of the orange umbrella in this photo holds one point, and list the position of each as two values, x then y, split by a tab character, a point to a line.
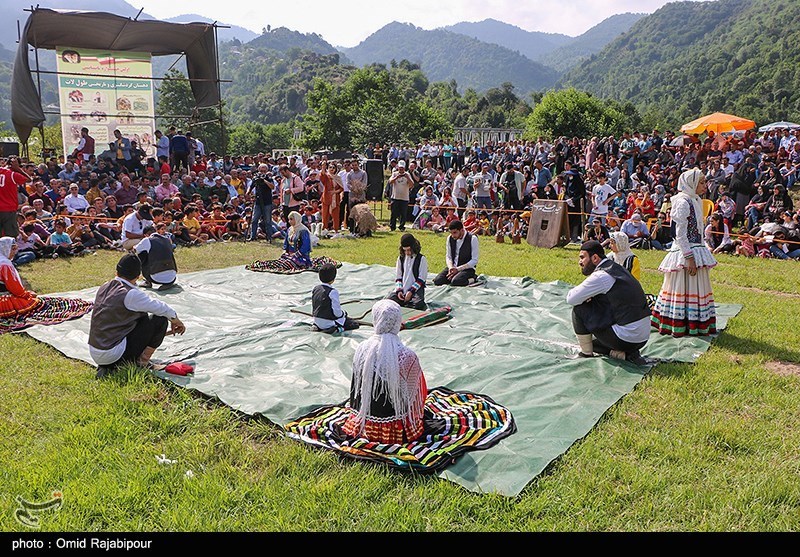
718	122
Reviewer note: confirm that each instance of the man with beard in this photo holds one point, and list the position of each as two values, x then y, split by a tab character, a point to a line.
610	314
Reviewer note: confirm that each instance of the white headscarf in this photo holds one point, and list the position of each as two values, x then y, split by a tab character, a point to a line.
623	248
6	243
294	231
376	366
687	188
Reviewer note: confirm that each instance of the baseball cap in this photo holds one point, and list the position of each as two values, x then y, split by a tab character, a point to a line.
401	164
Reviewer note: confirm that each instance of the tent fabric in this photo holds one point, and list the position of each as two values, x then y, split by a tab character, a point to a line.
718	122
511	340
49	29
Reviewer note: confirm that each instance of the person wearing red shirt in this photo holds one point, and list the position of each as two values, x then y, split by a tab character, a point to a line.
11	178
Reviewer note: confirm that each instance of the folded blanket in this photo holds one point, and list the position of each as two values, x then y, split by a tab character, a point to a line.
52	310
455	422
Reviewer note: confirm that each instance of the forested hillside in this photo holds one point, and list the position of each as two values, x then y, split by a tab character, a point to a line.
693	58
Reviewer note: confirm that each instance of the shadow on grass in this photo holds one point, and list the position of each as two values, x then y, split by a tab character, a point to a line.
748	346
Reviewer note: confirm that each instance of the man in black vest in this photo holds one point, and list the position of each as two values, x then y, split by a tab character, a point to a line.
127	325
462	257
155	251
610	306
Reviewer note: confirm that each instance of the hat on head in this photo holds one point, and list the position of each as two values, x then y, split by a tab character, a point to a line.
129	266
636	216
145	211
401	164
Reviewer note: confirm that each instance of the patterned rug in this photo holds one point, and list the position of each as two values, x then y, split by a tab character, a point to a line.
52	310
455	422
289	267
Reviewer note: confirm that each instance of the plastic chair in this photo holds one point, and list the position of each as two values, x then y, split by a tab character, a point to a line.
708	208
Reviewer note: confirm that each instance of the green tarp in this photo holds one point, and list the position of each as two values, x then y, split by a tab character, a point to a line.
510	339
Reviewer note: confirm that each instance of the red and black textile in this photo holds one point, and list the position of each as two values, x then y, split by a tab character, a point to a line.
287	266
50	311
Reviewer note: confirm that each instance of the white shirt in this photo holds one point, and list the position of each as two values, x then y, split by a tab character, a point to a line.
405	269
336	307
343	175
162	147
201	149
600	282
76	203
164	277
601	193
133	224
460	190
452	258
135	300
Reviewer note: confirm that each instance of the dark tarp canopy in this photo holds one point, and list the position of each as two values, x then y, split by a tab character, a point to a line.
49	29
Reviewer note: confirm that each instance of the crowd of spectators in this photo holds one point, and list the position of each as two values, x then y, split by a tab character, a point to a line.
104	201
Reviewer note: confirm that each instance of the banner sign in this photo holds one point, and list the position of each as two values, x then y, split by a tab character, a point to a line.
103	91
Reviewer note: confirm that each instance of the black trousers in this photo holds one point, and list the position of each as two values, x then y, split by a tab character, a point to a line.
399	210
345	202
149	332
461	278
417	300
144	257
605	339
180	160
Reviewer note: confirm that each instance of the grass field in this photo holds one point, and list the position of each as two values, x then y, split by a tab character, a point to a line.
710	446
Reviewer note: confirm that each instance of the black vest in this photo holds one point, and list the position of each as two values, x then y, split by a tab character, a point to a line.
321	302
414	266
626	299
160	256
111	320
466	250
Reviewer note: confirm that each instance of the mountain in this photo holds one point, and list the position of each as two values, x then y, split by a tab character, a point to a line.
533	44
235	32
283	39
445	55
593	41
693	58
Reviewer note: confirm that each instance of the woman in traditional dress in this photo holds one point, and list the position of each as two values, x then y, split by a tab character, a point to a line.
15	301
388	388
297	244
685	305
622	254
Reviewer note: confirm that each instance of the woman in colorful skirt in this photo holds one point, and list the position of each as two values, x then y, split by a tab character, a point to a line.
685	306
15	301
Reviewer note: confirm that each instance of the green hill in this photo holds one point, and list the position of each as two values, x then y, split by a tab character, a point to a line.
693	58
283	40
533	44
445	56
593	41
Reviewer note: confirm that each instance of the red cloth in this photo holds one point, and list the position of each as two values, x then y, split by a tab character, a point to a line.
179	368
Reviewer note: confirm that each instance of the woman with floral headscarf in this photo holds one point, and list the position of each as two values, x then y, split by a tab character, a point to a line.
15	301
685	305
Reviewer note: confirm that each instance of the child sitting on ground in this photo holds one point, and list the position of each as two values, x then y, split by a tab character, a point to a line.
329	317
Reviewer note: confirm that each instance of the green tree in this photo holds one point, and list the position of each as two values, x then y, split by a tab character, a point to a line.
576	113
176	100
259	138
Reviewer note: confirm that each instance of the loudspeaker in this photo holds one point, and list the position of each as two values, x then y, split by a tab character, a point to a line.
374	169
9	148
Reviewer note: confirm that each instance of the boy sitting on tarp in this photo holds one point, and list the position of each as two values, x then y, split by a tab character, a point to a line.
329	317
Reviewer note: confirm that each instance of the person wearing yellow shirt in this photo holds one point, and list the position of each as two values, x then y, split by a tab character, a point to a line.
192	226
237	182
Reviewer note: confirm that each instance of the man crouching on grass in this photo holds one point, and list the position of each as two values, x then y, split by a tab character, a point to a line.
610	314
122	328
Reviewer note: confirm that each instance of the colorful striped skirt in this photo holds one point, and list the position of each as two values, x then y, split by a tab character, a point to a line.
289	265
685	306
454	423
50	311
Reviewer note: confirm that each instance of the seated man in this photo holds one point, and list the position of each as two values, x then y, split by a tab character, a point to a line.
127	325
609	305
636	230
155	252
461	258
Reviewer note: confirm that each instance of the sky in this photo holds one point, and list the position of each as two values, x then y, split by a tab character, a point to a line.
348	22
